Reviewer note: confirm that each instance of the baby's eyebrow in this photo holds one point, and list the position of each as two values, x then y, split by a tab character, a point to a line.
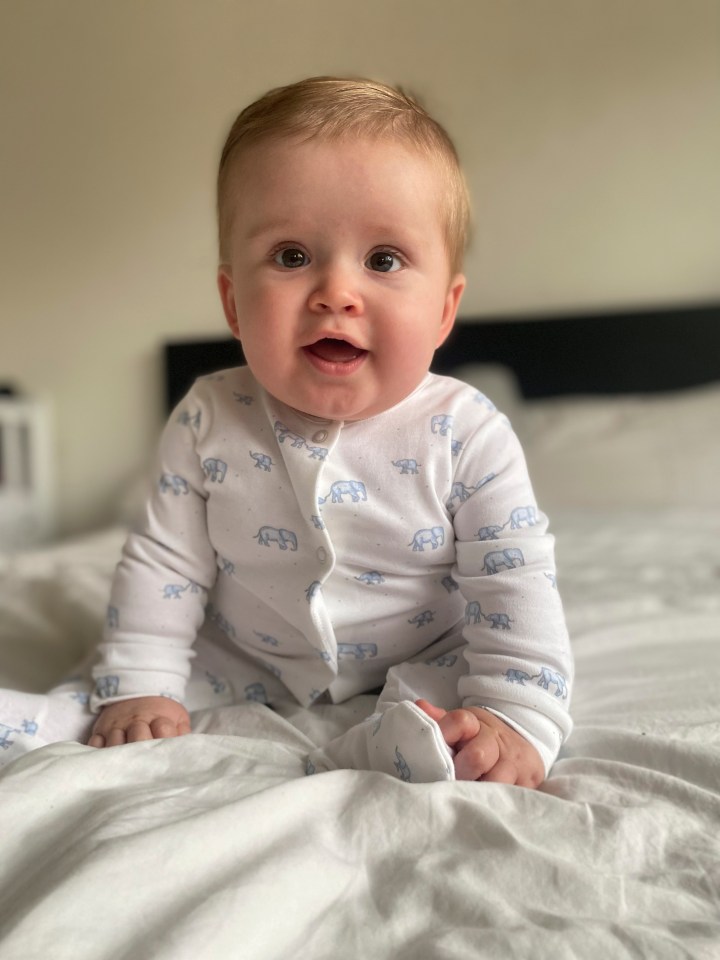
271	226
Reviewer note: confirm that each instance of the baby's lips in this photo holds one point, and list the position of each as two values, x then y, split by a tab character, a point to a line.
335	350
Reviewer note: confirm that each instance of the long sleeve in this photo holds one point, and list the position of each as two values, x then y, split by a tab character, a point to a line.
168	566
518	651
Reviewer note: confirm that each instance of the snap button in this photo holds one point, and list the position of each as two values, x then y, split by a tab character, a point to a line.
320	436
322	554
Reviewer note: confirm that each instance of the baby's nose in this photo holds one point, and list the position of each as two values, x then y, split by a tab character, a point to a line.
335	292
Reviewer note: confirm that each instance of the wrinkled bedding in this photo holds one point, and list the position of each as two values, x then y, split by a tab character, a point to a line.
218	844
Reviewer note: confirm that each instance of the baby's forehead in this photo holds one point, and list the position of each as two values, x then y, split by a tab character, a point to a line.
283	144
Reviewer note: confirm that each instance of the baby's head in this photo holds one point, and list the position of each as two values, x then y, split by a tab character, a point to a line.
343	218
333	109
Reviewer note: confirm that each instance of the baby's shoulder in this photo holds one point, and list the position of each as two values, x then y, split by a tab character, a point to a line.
234	384
457	398
216	399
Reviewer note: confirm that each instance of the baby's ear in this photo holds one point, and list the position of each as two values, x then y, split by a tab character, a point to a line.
450	309
226	289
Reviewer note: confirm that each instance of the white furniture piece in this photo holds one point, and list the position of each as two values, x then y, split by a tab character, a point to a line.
26	481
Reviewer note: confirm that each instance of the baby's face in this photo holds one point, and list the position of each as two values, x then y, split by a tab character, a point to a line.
338	284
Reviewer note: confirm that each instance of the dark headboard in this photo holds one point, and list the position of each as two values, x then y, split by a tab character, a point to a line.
630	352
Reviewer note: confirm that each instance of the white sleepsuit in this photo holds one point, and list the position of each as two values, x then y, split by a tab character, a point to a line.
332	554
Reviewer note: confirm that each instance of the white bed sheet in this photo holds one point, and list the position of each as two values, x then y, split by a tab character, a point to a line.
218	845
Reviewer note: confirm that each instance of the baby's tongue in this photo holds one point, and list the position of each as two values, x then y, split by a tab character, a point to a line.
335	351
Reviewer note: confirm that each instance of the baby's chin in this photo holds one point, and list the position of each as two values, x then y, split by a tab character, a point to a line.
334	408
348	410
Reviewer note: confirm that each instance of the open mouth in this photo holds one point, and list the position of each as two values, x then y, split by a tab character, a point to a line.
335	351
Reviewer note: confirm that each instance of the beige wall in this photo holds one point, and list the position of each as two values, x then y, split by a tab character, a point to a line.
588	128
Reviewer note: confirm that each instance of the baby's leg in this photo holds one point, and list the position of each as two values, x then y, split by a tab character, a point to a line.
433	675
31	720
223	676
400	738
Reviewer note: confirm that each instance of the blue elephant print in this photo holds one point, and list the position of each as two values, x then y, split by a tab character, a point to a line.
218	686
189	419
107	687
489	533
456	446
460	492
262	461
266	638
376	720
517	676
226	566
444	660
473	613
442	423
548	677
407	465
450	584
545	679
354	489
243	398
435	536
422	619
510	558
285	433
256	692
499	621
171	481
552	578
318	453
523	515
215	469
112	618
222	623
310	768
484	401
401	766
29	727
317	522
172	591
5	733
356	651
371	577
282	537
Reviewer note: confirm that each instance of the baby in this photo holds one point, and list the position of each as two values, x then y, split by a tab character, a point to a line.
332	519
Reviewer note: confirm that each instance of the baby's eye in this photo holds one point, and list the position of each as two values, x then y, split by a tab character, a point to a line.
383	261
291	257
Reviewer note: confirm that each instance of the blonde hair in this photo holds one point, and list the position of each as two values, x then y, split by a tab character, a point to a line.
332	108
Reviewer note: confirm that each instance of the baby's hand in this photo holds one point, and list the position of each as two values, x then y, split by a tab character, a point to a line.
486	748
144	718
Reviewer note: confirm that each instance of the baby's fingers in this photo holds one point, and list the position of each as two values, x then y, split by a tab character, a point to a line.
478	757
504	771
162	728
458	726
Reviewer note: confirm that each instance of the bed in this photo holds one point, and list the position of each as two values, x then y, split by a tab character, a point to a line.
218	845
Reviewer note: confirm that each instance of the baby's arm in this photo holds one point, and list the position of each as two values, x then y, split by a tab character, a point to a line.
486	748
143	718
161	585
518	651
